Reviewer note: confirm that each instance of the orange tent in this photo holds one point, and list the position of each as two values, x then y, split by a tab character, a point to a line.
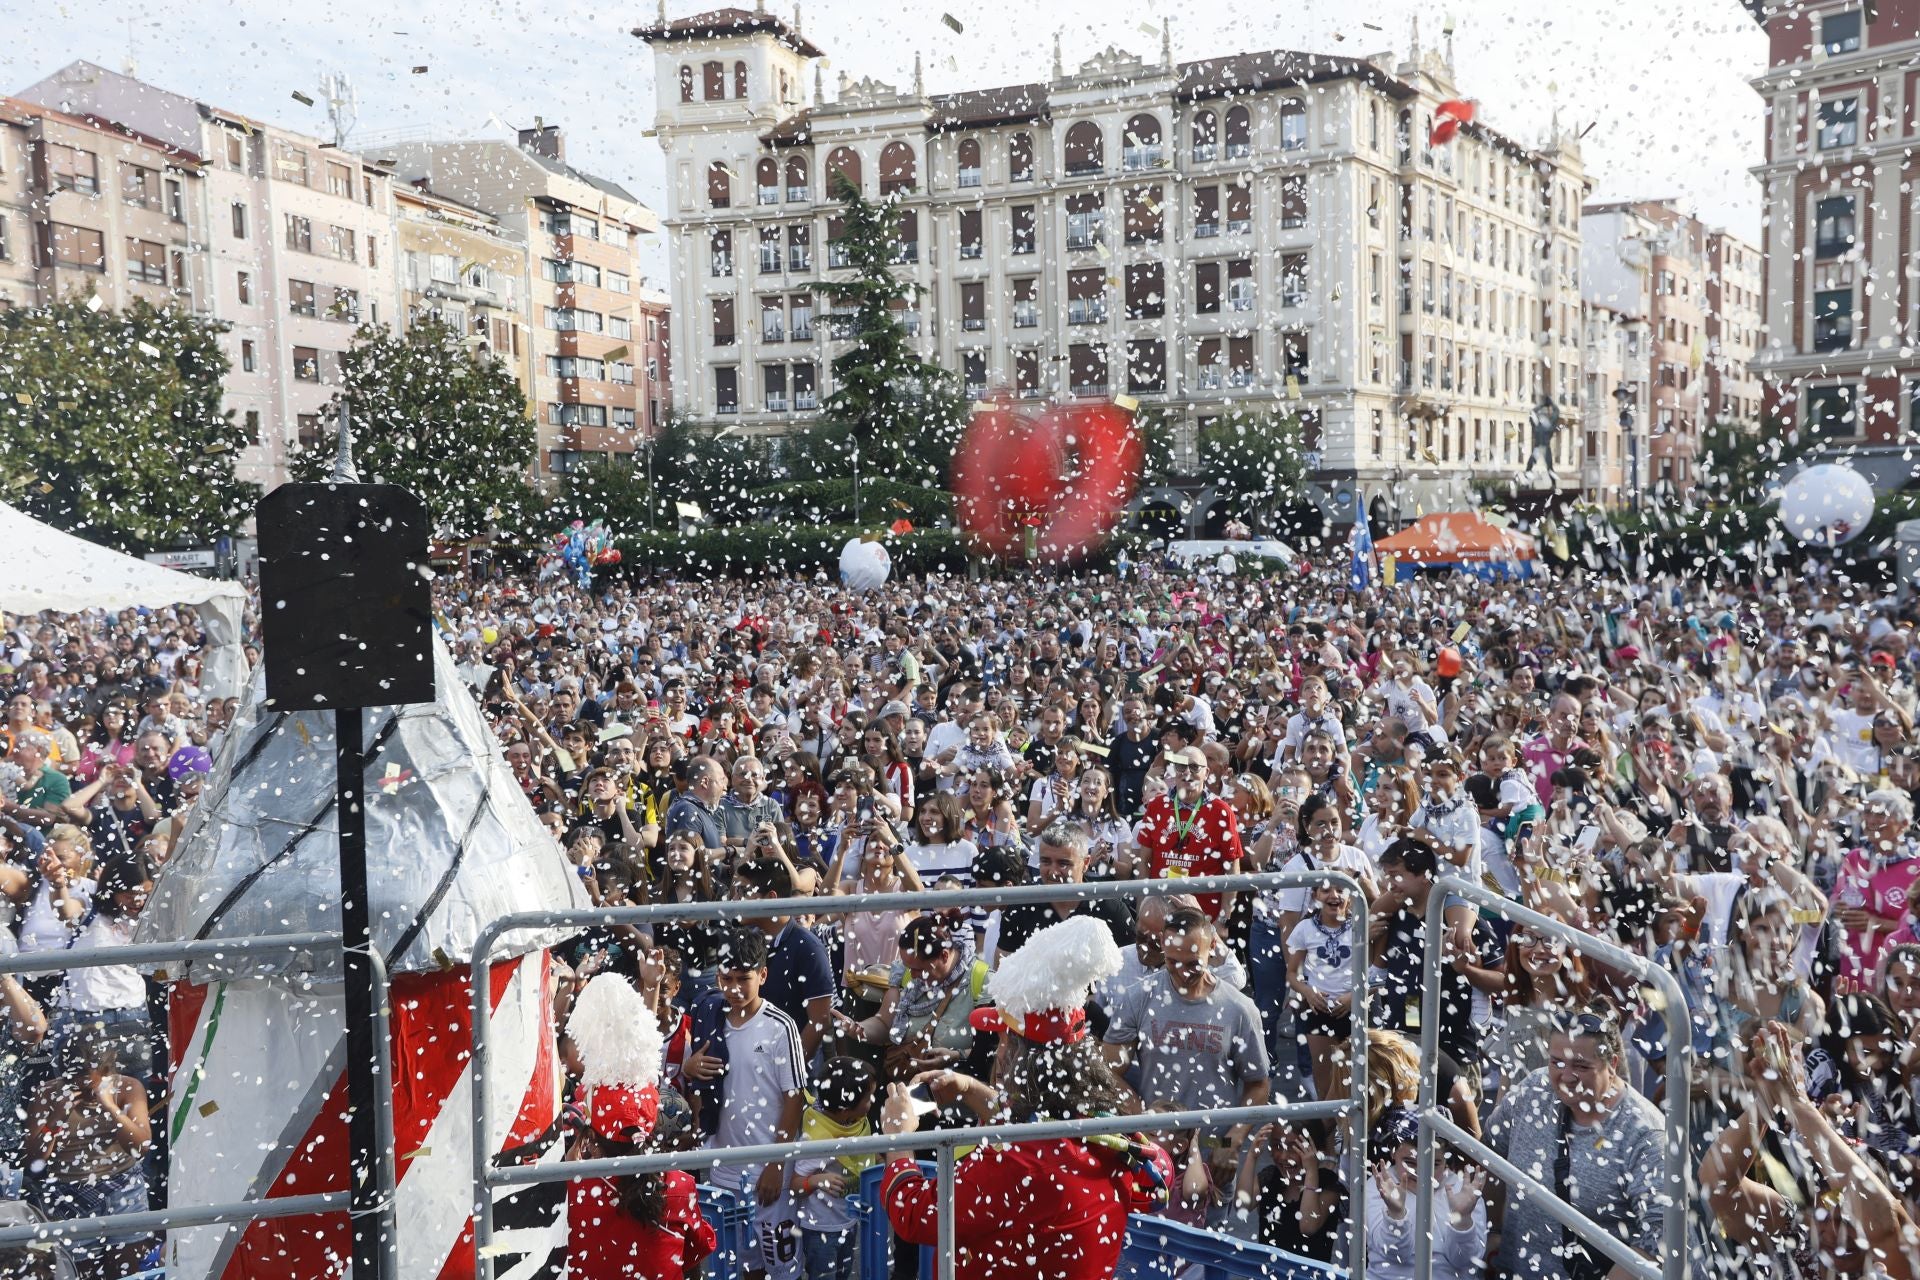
1456	537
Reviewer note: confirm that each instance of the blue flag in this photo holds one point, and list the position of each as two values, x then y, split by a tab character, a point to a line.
1361	575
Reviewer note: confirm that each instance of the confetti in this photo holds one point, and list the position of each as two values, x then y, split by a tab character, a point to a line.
420	71
953	22
208	1108
302	98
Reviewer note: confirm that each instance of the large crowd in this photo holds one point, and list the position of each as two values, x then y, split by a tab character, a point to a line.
1720	781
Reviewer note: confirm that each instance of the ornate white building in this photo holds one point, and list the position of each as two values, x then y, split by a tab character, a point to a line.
1258	231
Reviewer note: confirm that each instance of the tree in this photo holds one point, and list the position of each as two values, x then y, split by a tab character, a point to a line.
1736	465
436	418
902	415
1255	461
111	426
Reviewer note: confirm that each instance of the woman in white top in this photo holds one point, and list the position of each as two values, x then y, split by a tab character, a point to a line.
107	995
1390	810
59	900
1111	853
1058	791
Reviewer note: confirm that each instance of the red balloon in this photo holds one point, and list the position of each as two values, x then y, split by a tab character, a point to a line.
1068	474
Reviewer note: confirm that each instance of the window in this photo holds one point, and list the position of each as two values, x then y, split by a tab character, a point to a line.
1087	369
289	163
726	390
617	282
723	322
1020	158
797	184
773	320
1210	365
800	248
739	79
72	169
1293	125
236	152
719	185
1086	221
907	247
1146	366
239	214
339	179
345	305
766	180
720	254
307	429
139	186
1293	279
252	422
243	285
1026	375
1142	216
973	305
1206	137
1206	288
1085	149
967	156
1087	295
800	316
1833	227
306	364
1373	143
341	244
686	84
1026	303
1239	209
622	417
1830	414
617	327
1023	228
1293	204
1239	133
713	81
1840	32
972	233
838	253
1240	371
299	233
1839	123
146	261
973	372
247	359
1206	212
1833	320
1295	355
898	168
1240	285
843	165
1377	438
1140	144
806	394
1146	284
773	388
300	298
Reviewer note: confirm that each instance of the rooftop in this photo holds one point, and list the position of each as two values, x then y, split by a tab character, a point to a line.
729	22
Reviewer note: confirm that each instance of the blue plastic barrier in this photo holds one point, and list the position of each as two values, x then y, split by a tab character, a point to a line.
873	1235
731	1217
1159	1249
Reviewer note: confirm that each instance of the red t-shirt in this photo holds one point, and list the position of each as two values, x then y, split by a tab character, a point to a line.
604	1243
1190	843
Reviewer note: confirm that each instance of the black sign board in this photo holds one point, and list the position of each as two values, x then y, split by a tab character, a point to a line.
346	609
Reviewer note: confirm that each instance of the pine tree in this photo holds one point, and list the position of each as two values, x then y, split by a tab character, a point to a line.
111	426
435	418
901	415
1255	461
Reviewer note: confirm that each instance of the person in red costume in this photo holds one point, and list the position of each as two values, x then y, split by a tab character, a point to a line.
643	1226
1054	1209
1187	834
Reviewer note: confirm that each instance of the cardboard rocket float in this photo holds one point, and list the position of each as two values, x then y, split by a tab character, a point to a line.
258	1098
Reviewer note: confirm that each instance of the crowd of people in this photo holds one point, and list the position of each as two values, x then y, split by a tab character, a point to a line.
1719	779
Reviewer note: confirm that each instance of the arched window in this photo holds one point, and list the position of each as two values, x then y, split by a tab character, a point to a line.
719	185
1206	137
686	84
897	168
1239	133
739	79
1293	125
1020	158
1085	148
713	81
796	178
766	178
969	162
1140	145
842	164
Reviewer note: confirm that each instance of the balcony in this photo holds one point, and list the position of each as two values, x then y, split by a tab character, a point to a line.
805	400
970	176
725	408
973	324
798	194
775	404
1205	152
1089	239
1143	157
839	257
803	327
971	251
1086	390
975	390
1239	226
907	251
1239	377
1205	230
770	195
774	332
1026	315
1086	311
1081	168
1211	377
1029	393
1239	150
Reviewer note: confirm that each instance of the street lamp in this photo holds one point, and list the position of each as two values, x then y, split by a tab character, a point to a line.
1624	395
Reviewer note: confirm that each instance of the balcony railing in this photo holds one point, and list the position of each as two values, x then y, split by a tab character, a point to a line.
1026	315
727	408
1211	377
975	390
1239	377
775	332
1029	393
770	259
1205	230
1239	226
796	194
776	404
1079	168
802	328
805	400
972	250
1144	156
769	195
973	323
1086	311
799	258
907	251
1239	150
1204	152
1084	389
970	176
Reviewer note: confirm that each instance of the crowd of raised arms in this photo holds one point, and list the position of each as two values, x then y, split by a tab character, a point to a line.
1721	781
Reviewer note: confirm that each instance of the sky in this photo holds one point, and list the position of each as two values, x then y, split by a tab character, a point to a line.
1663	85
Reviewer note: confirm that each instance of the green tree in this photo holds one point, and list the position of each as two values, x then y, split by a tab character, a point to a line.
431	415
1736	465
902	415
1157	428
111	425
1256	460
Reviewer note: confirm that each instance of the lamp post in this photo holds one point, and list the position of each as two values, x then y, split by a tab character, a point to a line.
1624	396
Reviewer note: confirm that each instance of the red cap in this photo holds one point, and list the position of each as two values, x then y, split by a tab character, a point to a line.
621	1114
1881	658
1050	1026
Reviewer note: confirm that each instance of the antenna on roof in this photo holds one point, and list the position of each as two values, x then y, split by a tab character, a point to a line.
343	104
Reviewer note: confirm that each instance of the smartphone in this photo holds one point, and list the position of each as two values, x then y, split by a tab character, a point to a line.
1589	836
863	811
921	1095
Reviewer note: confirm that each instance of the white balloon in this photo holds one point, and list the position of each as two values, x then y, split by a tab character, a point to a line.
864	566
1827	505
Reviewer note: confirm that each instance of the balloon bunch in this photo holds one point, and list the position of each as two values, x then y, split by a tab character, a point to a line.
579	548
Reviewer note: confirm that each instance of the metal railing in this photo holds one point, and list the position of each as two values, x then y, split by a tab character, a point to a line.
1434	1120
1353	1108
151	956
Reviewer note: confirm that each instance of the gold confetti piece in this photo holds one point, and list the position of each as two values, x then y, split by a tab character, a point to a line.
208	1108
1126	402
495	1250
1147	28
23	397
69	404
953	22
300	727
419	71
302	98
415	1155
441	958
45	487
979	406
1293	387
618	353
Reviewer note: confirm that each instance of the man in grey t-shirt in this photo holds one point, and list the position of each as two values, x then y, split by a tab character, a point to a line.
1614	1149
1197	1040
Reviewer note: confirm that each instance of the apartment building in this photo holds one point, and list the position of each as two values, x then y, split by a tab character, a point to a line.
1268	231
459	266
1734	301
296	248
1611	453
1840	177
654	367
582	235
89	207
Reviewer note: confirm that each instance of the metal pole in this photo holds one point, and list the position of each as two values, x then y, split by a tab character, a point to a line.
383	1117
169	1219
1429	1081
480	977
943	1256
1357	1088
366	1074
